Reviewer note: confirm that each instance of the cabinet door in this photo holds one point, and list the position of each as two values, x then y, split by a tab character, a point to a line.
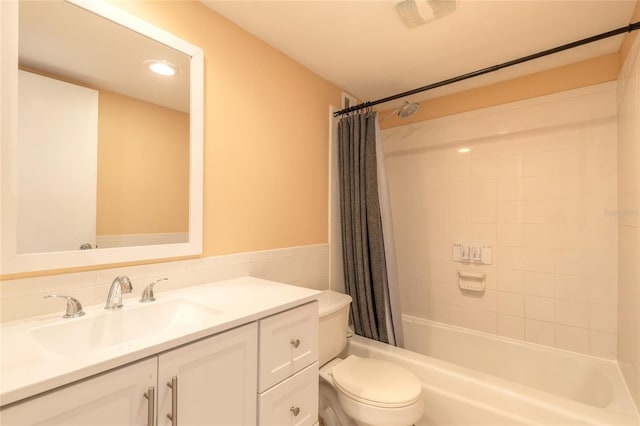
293	402
115	398
288	343
215	380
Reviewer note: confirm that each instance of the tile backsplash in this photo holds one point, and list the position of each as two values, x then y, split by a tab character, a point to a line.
539	185
306	266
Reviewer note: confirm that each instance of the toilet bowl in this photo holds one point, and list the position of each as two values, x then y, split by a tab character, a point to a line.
360	391
329	408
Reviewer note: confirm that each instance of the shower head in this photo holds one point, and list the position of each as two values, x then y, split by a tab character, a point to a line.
404	111
408	109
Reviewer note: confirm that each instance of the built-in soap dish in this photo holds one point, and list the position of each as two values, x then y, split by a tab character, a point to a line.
471	281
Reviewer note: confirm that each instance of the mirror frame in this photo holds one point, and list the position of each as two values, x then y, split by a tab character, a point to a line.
12	262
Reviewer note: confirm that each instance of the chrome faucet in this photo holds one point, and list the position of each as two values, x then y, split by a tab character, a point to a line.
147	293
121	284
74	307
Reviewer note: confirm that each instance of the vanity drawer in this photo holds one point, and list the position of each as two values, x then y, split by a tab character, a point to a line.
288	342
293	402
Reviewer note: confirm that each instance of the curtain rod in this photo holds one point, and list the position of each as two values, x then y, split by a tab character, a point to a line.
626	29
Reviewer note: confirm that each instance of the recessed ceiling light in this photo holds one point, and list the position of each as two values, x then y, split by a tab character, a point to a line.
162	67
464	150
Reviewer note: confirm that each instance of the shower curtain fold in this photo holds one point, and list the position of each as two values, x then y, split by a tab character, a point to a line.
394	313
363	241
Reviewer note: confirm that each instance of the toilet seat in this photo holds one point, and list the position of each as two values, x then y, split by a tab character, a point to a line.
376	382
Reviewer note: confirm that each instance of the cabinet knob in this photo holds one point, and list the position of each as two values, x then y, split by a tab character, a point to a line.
295	410
295	342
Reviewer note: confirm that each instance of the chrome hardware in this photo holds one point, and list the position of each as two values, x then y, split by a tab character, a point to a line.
295	411
151	406
74	307
147	293
173	416
295	342
121	284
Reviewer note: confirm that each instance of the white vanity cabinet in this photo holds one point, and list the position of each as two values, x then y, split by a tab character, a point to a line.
246	366
213	381
288	368
113	398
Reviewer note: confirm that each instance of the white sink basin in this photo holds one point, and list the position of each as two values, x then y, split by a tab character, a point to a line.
80	335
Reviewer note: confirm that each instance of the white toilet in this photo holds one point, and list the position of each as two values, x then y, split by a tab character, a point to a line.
360	391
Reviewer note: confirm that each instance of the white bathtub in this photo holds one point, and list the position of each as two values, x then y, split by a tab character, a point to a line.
472	378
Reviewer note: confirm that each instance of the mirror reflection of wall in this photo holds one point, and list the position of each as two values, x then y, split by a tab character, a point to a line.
141	185
143	173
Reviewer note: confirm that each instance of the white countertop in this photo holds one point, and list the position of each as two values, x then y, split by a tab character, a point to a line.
28	368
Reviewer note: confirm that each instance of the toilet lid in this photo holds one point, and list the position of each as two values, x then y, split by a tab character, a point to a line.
376	382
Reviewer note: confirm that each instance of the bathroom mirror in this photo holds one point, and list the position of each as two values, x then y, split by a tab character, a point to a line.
141	174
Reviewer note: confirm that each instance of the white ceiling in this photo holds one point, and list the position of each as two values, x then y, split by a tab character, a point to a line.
363	47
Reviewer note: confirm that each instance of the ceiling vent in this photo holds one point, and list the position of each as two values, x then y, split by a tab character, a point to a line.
414	13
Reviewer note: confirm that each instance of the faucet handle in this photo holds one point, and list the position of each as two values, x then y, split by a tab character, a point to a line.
74	307
147	293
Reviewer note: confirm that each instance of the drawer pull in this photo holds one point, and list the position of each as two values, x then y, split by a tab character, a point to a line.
295	411
295	342
151	406
173	416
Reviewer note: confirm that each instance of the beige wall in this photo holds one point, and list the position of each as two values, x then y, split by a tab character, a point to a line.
143	167
629	221
266	134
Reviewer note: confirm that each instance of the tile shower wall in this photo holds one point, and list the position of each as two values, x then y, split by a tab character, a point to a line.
629	221
305	266
539	184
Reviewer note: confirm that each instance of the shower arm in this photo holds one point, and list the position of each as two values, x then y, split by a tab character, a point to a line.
626	29
389	115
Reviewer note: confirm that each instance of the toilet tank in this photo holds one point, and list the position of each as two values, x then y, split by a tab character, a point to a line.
334	319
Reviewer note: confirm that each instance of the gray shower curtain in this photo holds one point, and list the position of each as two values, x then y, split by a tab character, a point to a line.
363	242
